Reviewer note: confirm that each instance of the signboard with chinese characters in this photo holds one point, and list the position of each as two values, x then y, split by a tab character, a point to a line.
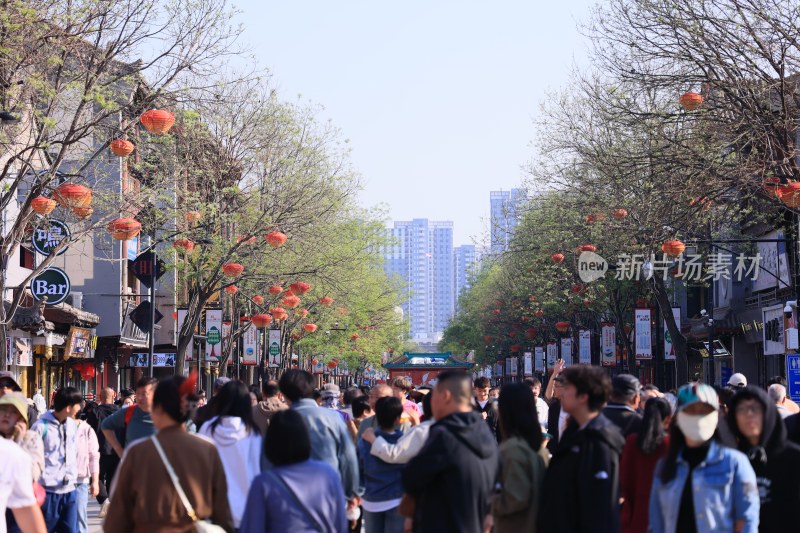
774	264
250	346
162	360
538	359
213	334
274	348
669	349
773	330
46	240
644	335
552	355
585	347
78	343
566	350
527	364
608	345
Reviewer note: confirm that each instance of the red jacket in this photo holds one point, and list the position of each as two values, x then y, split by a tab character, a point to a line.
636	479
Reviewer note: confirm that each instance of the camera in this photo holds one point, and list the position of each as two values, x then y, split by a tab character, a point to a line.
789	308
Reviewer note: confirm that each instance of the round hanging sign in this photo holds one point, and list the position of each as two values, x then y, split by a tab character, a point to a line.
52	284
45	240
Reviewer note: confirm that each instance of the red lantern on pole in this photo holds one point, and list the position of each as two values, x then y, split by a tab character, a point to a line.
258	300
310	328
72	195
691	101
232	270
300	287
291	301
327	302
157	121
589	248
261	320
557	258
43	205
276	239
673	248
121	147
231	289
563	327
185	244
123	229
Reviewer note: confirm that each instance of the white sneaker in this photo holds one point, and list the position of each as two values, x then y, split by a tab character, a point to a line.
104	509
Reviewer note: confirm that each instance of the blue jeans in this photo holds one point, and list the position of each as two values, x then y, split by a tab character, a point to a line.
83	502
61	512
384	522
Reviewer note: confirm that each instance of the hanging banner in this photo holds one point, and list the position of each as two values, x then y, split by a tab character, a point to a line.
566	350
608	345
552	355
274	348
644	336
773	334
511	366
78	343
669	349
22	348
585	347
250	346
538	359
213	334
317	365
178	326
527	364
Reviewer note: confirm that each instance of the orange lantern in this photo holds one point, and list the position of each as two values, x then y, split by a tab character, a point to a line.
789	194
332	365
279	313
157	121
43	205
232	270
123	229
300	287
193	216
557	258
291	301
276	239
258	300
186	244
589	248
72	195
261	320
539	312
310	328
595	217
302	313
327	302
619	213
531	333
82	212
563	327
121	147
355	337
673	248
231	289
691	101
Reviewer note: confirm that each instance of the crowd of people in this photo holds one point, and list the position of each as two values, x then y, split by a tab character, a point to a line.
591	453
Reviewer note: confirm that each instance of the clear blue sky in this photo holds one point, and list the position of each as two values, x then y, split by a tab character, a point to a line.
436	97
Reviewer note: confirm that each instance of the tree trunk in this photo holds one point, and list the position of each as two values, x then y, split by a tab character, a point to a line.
679	342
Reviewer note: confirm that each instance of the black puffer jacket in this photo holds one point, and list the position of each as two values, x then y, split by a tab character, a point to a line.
581	486
776	462
95	418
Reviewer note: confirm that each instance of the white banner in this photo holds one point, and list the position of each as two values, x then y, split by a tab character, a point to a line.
274	348
585	347
527	364
552	354
511	366
538	361
669	349
644	337
178	326
608	345
566	350
773	330
250	346
213	334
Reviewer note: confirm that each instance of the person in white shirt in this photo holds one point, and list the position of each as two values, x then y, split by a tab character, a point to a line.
542	410
16	489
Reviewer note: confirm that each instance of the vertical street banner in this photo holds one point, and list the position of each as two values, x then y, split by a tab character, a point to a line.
538	361
274	348
566	350
773	333
250	346
527	364
552	354
585	347
213	334
669	349
178	325
226	341
644	335
608	344
511	366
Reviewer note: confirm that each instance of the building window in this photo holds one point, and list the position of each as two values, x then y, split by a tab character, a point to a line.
25	258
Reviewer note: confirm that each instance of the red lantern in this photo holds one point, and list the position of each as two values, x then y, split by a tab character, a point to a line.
121	147
185	244
279	313
231	289
72	195
261	320
789	194
327	302
515	348
193	216
512	334
589	248
563	327
88	372
619	213
157	121
487	339
355	337
532	298
82	213
302	313
258	300
232	270
291	301
275	290
531	333
123	229
332	365
673	248
691	101
310	328
577	288
244	318
539	312
43	205
557	258
300	287
587	303
276	239
595	217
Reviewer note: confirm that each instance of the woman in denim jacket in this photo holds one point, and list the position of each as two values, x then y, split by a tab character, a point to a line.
701	486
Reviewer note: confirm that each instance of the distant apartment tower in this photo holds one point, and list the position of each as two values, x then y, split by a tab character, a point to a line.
505	212
465	261
422	255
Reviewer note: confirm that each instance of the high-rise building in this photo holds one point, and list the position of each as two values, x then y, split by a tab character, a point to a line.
422	255
505	212
465	260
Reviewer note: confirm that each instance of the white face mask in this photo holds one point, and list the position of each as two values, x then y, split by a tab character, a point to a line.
698	428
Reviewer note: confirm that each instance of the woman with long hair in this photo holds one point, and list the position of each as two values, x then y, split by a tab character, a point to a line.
639	457
522	468
238	441
169	481
297	493
700	485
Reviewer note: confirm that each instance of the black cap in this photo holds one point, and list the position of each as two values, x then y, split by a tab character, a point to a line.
8	376
625	384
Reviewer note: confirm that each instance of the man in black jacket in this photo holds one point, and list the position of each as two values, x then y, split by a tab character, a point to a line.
582	482
621	409
453	476
109	460
486	406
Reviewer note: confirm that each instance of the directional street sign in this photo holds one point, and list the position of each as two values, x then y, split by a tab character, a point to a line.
53	284
141	316
45	240
142	268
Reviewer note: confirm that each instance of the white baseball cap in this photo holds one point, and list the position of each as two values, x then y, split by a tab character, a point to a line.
737	380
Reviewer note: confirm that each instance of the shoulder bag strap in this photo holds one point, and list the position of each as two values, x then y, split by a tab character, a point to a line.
283	486
175	481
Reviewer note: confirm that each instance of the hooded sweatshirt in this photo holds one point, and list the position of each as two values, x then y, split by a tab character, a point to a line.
263	411
453	476
776	462
240	452
582	481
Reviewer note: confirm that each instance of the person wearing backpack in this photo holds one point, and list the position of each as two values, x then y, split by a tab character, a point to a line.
134	420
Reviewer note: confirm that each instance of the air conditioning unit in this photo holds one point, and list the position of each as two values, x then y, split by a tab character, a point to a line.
75	299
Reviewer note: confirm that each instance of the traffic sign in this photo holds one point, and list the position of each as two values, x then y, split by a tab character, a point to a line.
142	268
141	316
793	376
45	240
52	283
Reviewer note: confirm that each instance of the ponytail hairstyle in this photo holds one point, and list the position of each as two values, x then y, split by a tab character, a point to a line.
172	396
652	433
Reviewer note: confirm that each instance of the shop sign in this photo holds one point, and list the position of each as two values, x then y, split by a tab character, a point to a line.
53	284
46	240
160	360
773	330
78	343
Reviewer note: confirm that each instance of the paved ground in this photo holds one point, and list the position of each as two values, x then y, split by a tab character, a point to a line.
94	522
